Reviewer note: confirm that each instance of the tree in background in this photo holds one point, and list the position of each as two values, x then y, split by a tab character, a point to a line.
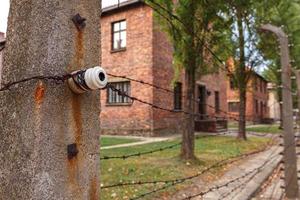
240	15
189	25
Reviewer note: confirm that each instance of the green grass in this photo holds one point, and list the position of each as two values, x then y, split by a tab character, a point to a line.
167	165
109	141
265	129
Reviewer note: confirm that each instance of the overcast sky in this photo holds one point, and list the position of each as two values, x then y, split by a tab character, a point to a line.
106	3
4	7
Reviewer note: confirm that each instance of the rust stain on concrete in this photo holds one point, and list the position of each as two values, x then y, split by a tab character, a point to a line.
75	164
38	100
93	191
77	117
79	50
39	93
72	170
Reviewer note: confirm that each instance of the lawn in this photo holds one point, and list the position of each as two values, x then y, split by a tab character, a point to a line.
167	165
265	129
109	141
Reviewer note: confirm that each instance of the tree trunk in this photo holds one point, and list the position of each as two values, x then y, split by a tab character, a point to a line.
40	122
242	117
188	136
242	79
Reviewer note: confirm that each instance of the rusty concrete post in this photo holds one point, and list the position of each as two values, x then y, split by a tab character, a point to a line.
46	131
289	155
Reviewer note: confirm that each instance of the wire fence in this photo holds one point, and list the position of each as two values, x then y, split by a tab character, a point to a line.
218	164
167	183
59	79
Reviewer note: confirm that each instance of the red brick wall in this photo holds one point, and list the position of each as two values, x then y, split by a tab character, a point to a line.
148	57
135	62
164	122
214	83
252	95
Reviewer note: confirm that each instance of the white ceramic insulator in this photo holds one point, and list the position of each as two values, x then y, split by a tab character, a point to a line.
92	78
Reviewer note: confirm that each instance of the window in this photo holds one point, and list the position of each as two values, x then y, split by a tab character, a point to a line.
233	106
114	98
178	96
217	101
119	35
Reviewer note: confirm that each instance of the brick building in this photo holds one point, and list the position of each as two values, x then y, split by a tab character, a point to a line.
257	109
2	38
134	46
273	102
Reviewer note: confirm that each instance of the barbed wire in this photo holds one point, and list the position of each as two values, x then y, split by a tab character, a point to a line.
215	165
172	15
161	149
280	154
254	171
61	78
228	114
58	79
174	182
124	94
139	153
272	155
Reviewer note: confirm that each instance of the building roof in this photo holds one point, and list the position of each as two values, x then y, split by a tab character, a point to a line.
121	5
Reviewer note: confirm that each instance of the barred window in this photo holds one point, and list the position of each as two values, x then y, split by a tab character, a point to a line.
114	98
233	106
178	96
119	35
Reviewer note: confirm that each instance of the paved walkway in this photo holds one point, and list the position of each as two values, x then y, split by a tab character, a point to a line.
147	140
142	140
272	188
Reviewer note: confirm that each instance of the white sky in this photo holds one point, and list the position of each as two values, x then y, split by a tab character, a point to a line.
4	7
106	3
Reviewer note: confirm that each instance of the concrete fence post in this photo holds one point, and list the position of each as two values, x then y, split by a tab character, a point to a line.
46	131
289	155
